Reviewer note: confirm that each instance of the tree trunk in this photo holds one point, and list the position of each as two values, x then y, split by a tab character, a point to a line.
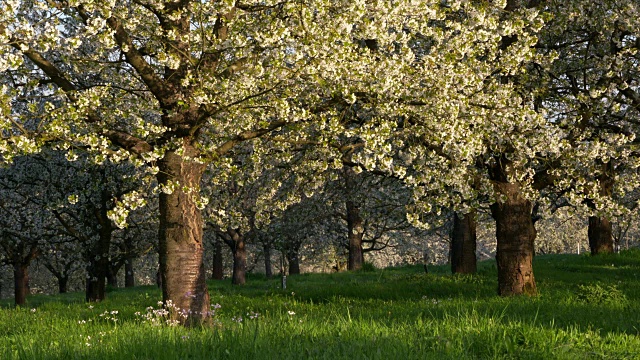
112	276
355	224
600	235
266	249
515	235
600	231
129	278
294	261
239	260
463	244
96	277
99	264
96	284
218	268
21	283
180	237
63	283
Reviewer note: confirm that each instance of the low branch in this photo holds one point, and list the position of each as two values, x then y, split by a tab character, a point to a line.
128	142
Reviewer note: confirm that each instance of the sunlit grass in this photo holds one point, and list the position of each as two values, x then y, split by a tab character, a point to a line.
587	308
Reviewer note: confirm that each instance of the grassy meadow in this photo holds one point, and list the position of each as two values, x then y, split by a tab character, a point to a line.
588	308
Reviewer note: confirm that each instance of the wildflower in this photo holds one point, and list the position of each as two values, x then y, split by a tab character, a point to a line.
253	315
291	313
33	310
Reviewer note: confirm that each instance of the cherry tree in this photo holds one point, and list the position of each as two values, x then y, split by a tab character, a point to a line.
172	85
81	196
131	243
62	256
591	91
24	224
464	128
176	86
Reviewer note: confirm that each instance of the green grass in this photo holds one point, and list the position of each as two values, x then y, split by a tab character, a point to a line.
588	308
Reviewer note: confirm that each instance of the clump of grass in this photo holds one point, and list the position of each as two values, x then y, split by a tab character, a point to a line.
368	267
601	294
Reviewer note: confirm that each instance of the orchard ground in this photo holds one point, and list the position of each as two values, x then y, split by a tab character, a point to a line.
588	308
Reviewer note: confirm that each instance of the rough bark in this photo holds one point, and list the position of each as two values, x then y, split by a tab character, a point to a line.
515	234
600	235
21	283
463	244
218	268
180	238
129	276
